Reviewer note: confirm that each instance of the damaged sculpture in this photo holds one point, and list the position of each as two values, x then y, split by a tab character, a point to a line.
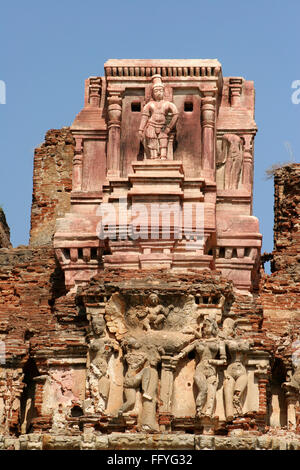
235	376
98	380
141	374
154	315
147	332
207	346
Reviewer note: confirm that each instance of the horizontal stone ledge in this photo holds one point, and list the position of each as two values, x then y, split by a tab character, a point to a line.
143	441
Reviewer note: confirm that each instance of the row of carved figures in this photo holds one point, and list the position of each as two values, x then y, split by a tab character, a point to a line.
212	349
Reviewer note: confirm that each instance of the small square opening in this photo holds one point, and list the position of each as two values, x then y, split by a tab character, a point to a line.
94	253
188	106
136	107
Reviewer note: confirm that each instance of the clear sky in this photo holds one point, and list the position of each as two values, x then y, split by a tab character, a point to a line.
49	48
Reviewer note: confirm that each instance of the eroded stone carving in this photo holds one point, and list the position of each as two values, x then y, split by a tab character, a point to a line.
98	380
293	380
235	376
207	347
10	392
154	315
141	375
231	158
171	345
159	118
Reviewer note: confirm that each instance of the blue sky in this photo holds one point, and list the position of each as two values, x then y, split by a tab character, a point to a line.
49	48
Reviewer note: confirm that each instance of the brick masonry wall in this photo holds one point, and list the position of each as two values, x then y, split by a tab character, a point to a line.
52	184
286	254
38	321
30	285
280	291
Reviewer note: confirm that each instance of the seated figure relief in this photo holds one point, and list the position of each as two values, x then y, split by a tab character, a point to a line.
154	315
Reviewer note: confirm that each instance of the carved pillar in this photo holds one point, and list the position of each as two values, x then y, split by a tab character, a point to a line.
248	161
170	146
262	373
95	92
166	392
114	126
262	394
235	90
208	104
291	400
77	165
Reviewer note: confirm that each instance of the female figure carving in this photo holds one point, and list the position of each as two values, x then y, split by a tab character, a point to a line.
207	348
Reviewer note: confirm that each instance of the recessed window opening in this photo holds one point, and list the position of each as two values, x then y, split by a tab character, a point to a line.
136	107
94	253
188	107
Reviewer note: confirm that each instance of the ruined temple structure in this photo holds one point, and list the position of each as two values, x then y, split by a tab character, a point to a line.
140	316
175	137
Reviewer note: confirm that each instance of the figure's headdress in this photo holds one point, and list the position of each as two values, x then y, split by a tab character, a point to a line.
157	81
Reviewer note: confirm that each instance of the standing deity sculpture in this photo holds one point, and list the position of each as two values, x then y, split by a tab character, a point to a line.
235	376
159	118
141	375
207	348
231	157
100	350
134	359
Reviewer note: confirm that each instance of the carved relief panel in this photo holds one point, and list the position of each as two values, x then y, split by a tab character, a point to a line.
156	359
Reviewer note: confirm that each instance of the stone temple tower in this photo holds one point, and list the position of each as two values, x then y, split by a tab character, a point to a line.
162	173
161	201
144	319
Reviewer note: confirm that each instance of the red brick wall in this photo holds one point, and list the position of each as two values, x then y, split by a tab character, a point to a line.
280	291
286	254
31	283
52	184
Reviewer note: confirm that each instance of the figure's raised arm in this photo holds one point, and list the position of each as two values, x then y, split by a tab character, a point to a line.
185	351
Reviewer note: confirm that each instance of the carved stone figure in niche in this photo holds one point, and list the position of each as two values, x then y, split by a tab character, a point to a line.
235	376
207	347
100	350
141	374
135	360
294	380
155	125
154	315
232	157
